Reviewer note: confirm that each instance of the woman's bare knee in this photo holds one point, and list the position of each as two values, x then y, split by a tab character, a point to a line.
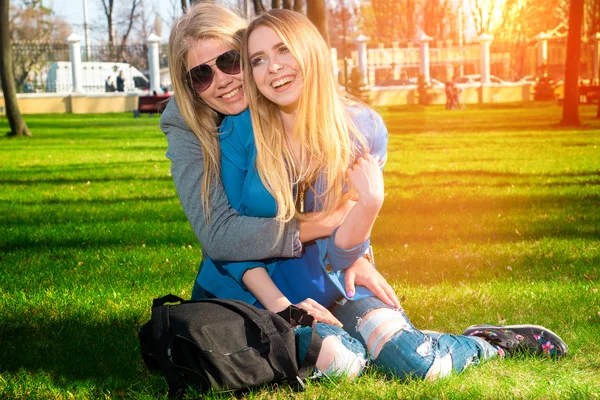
335	359
379	326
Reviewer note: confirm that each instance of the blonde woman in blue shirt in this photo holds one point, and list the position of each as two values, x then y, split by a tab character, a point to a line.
308	133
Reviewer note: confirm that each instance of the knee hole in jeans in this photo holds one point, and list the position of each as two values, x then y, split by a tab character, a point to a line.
379	326
335	359
330	347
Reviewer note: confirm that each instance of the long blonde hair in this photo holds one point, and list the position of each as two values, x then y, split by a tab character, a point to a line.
323	125
202	21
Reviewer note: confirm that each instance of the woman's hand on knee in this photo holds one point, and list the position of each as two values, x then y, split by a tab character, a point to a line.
318	312
363	273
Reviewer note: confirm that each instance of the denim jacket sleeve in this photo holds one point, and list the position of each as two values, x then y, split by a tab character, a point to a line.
227	235
371	125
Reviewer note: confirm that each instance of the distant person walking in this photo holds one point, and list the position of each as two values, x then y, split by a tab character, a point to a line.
453	95
120	82
109	86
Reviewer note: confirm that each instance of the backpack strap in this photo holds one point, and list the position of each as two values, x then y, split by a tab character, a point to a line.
310	360
161	333
298	316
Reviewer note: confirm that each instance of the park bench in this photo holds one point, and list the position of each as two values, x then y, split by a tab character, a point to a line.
589	94
154	104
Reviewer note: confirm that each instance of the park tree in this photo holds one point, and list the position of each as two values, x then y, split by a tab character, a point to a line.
483	14
592	17
592	13
259	7
520	21
126	17
570	115
316	11
391	20
437	18
18	127
33	30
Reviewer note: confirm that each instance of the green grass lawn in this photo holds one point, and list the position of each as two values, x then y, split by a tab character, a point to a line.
492	215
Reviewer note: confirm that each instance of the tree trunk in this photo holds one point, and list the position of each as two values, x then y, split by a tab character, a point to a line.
287	4
259	8
111	28
184	6
298	5
316	11
18	127
275	3
571	99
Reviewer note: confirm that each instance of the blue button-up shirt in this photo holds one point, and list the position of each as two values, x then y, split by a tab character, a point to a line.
319	272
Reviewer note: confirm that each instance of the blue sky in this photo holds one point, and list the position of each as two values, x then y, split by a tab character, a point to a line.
72	12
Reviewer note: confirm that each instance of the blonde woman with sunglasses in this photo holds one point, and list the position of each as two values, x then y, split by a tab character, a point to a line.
204	64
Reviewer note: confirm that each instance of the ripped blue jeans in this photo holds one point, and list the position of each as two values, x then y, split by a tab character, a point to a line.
409	353
401	350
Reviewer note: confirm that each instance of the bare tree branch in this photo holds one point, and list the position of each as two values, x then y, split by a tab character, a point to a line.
130	20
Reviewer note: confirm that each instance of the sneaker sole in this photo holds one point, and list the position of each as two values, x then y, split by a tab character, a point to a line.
550	335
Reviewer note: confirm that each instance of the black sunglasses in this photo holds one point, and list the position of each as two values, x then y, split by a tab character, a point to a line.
201	76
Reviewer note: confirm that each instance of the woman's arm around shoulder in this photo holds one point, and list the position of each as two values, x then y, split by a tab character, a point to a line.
227	235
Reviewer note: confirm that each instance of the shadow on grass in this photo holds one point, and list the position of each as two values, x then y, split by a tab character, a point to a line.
431	268
481	173
142	198
81	166
82	180
427	123
73	348
498	185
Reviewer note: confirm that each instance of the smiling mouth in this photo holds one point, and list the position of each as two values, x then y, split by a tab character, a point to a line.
281	82
231	94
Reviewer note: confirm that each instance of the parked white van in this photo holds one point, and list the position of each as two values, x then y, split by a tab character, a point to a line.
94	76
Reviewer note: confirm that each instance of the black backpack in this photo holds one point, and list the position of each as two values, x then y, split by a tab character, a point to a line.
224	345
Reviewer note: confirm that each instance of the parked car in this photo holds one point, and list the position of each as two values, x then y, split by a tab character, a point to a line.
94	74
410	82
530	79
475	79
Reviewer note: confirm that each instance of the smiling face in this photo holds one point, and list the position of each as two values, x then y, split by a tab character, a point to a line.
274	69
226	92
